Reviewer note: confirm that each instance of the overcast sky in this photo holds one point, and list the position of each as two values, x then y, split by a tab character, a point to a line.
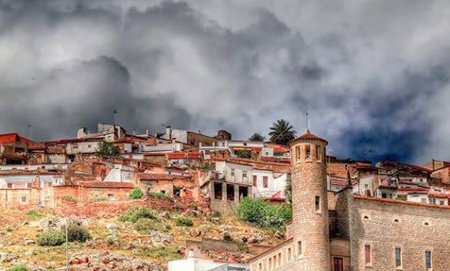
373	75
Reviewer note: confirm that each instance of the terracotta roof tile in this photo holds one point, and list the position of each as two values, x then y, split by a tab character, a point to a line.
308	136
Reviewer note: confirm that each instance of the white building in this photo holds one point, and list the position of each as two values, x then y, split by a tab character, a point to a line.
193	264
267	184
234	172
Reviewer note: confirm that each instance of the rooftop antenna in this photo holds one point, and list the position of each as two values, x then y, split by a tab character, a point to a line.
306	118
114	117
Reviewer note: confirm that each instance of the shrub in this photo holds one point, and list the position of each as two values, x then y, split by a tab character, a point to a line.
136	193
108	149
135	213
77	233
145	225
34	214
19	267
51	238
264	214
159	195
216	214
227	237
69	199
183	221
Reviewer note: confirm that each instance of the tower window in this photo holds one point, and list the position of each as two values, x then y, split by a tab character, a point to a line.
398	257
299	248
297	153
428	259
367	254
318	153
317	203
289	254
307	152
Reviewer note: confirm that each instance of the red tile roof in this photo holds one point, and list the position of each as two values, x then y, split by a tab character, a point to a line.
308	136
440	196
73	140
14	137
106	184
184	155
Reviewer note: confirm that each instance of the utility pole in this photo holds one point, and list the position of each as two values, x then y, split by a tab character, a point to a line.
67	246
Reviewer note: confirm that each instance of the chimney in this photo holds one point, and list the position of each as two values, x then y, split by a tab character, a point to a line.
169	132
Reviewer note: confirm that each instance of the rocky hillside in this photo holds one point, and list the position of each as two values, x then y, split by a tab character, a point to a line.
139	238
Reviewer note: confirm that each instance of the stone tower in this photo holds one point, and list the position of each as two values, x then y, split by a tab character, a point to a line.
310	203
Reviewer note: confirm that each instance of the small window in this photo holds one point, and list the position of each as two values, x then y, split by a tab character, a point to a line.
245	143
367	255
366	217
111	197
398	257
307	152
289	254
299	248
28	185
396	220
244	174
255	180
426	223
270	263
279	259
428	263
10	185
317	203
260	267
24	199
318	153
265	181
232	172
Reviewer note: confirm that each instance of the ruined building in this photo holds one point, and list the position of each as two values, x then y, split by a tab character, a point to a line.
342	231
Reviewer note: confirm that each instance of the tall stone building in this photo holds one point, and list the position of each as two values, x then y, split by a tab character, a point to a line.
310	204
339	231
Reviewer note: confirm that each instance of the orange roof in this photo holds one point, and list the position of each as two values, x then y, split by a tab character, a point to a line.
184	155
14	137
308	136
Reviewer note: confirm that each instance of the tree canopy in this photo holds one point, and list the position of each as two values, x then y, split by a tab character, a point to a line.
256	137
281	132
108	149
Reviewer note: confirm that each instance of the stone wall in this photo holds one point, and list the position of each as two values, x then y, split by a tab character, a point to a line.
386	224
11	198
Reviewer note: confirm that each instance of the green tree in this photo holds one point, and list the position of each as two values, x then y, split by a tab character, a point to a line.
108	149
281	132
256	137
136	193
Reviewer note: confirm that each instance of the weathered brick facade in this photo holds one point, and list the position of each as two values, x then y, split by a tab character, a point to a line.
387	224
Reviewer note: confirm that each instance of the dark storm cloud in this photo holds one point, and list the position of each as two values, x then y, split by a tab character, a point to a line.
374	76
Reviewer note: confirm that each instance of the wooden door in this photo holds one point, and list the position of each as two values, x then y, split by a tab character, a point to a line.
338	264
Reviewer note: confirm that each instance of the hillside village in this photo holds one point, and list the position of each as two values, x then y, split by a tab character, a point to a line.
190	186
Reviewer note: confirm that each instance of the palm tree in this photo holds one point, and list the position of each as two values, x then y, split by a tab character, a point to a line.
256	137
281	132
